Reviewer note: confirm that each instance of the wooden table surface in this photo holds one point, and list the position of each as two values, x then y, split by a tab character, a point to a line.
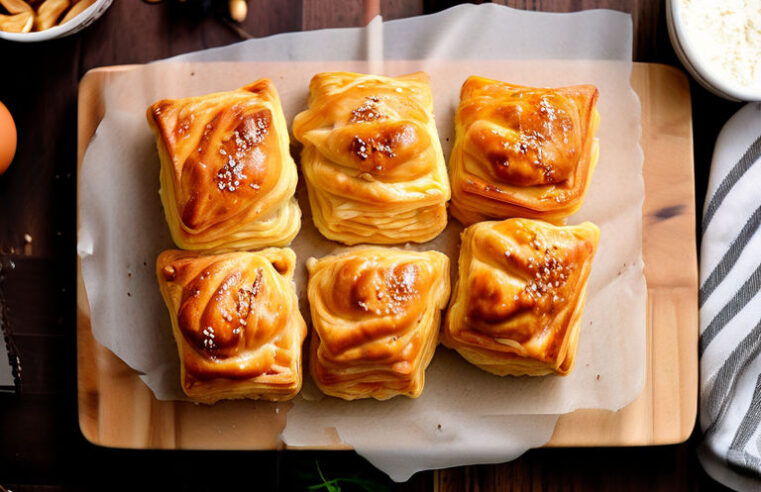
41	447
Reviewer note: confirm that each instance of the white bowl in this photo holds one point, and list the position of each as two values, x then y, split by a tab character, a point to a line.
84	19
694	64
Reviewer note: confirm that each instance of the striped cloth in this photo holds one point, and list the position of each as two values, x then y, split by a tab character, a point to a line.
730	306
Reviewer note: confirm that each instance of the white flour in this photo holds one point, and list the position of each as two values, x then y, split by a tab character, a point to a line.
726	35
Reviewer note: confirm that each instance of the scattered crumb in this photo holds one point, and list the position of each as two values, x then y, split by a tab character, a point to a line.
598	377
130	295
438	427
277	409
28	238
129	274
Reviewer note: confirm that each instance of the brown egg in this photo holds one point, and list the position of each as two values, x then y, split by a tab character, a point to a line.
7	138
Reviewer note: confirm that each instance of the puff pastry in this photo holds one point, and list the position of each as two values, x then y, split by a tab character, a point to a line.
227	177
236	321
375	313
518	301
372	159
522	151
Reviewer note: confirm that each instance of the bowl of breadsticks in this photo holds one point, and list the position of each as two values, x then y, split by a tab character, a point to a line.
40	20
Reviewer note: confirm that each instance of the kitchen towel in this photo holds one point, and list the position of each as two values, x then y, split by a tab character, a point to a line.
730	306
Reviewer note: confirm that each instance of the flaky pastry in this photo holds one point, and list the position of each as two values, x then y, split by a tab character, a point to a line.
518	301
227	176
375	313
372	159
236	321
522	151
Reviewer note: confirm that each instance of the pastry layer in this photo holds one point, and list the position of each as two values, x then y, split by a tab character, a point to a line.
227	176
375	313
236	320
519	298
372	159
522	151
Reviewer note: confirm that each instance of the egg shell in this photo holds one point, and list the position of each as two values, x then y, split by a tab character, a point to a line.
7	138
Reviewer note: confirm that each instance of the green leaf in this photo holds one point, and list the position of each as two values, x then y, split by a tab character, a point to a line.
333	485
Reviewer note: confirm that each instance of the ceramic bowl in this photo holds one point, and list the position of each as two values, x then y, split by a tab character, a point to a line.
87	17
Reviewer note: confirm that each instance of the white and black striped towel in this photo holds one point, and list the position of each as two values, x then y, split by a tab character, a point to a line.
730	306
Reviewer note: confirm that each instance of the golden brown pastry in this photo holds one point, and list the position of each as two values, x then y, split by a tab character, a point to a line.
522	151
518	301
372	158
236	321
375	313
227	177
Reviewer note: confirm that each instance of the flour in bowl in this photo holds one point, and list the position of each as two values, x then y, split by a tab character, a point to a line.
726	36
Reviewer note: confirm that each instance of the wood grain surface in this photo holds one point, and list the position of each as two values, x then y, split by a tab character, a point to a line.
41	447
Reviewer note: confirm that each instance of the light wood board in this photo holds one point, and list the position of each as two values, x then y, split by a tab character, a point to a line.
117	410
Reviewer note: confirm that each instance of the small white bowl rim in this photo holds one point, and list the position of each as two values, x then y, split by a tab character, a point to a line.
720	84
53	32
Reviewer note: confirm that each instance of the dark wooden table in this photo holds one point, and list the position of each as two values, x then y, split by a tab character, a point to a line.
41	447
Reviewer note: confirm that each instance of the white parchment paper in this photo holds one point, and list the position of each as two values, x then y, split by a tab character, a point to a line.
464	415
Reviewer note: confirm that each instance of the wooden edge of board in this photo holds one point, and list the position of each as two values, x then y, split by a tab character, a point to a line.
572	430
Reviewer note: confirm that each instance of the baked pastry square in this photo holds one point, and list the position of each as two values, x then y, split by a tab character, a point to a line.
236	321
522	151
372	159
227	176
519	298
375	313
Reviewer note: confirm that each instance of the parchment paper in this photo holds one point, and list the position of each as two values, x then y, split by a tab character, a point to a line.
464	415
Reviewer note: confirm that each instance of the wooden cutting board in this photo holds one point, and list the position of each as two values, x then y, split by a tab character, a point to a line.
116	409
